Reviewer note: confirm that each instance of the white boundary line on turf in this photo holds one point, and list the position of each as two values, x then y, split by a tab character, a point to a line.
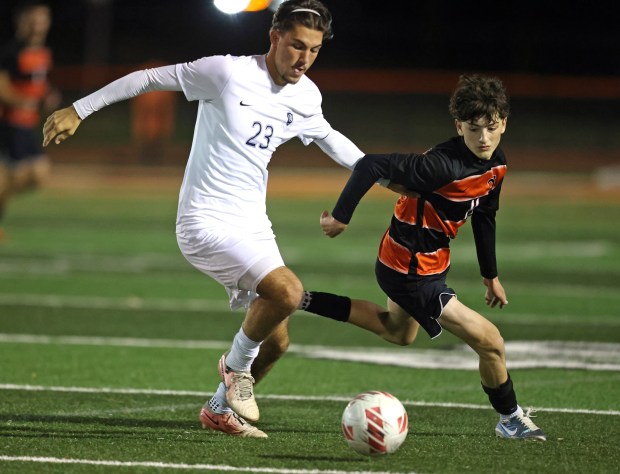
192	305
105	302
593	356
196	467
326	398
113	341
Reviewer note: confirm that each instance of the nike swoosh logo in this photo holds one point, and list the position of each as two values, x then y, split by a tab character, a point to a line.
510	432
215	422
244	104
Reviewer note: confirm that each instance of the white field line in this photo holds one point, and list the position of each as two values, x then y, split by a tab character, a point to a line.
117	391
296	398
104	302
66	264
113	341
180	306
180	466
520	354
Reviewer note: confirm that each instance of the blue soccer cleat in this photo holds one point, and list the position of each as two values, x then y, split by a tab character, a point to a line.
519	427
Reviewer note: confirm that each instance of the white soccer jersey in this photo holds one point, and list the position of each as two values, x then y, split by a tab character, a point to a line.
243	116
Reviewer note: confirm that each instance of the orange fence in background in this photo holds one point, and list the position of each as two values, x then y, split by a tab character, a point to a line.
386	81
439	82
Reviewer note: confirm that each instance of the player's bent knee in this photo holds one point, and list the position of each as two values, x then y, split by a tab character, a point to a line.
289	297
285	290
409	336
401	328
399	339
404	334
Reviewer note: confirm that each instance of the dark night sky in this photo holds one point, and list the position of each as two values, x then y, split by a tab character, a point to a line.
519	36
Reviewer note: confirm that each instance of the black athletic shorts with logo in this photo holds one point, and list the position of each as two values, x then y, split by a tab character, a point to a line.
423	297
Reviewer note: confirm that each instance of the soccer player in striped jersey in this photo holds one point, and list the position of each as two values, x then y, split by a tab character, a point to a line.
446	185
24	89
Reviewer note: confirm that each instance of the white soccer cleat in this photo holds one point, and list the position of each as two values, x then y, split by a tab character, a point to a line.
239	391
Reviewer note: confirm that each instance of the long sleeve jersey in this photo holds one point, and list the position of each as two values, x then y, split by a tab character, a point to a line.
453	184
243	116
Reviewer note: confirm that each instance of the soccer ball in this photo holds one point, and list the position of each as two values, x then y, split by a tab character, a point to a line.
375	423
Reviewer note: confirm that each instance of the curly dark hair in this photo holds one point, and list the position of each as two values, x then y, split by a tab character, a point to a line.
285	17
477	96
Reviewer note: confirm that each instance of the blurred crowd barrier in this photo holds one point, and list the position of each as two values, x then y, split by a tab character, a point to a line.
558	123
382	81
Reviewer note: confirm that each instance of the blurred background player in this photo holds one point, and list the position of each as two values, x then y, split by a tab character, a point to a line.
24	90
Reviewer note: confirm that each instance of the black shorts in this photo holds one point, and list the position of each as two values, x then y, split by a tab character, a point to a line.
19	144
423	297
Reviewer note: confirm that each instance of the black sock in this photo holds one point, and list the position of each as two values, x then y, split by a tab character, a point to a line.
503	398
327	305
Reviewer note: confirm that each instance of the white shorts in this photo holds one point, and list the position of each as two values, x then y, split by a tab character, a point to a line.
237	260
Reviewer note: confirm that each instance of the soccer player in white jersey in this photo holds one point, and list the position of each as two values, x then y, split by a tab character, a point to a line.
248	106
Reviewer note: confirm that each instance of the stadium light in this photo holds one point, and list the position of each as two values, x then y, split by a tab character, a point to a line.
257	5
236	6
231	6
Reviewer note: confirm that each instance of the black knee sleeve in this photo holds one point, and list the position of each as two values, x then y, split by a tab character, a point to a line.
503	398
327	305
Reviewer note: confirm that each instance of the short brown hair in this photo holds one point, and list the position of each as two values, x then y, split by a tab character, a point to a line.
285	17
477	96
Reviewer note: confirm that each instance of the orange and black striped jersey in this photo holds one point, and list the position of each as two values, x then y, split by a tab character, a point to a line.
27	68
453	184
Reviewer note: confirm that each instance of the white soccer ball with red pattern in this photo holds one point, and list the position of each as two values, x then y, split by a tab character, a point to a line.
375	423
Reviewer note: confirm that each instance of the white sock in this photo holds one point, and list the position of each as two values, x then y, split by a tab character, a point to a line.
517	412
218	403
242	352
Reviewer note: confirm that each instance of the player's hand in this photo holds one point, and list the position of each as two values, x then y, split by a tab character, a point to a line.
60	125
331	227
495	293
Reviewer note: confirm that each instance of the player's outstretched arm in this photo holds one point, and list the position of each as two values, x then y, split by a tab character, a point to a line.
495	293
61	125
331	227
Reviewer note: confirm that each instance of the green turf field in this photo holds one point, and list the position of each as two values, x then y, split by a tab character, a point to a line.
109	342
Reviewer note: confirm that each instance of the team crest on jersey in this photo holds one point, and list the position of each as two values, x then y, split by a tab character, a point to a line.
289	118
491	182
